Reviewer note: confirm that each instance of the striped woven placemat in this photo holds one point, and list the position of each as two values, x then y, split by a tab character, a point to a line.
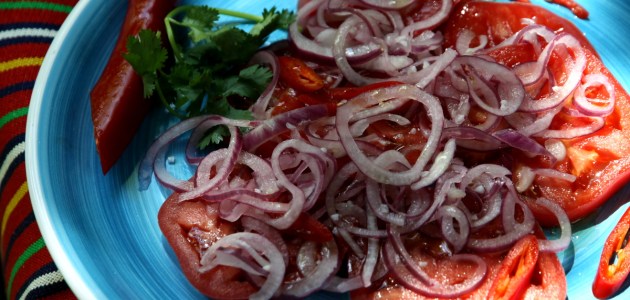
26	31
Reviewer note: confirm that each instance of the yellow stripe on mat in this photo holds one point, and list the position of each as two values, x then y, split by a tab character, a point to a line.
20	62
19	195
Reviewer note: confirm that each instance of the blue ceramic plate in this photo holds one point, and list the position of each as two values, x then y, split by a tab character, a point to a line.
102	232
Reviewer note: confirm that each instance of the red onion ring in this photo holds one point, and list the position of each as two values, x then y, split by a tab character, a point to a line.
368	167
586	105
254	244
563	242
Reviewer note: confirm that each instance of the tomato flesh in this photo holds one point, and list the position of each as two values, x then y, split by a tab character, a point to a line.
178	221
601	161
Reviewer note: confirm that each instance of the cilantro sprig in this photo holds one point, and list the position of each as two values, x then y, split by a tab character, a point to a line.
205	72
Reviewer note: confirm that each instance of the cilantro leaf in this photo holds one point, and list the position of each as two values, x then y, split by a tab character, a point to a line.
200	20
285	17
208	72
147	56
249	83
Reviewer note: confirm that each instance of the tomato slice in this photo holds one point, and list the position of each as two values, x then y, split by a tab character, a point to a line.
499	21
614	264
601	161
185	224
516	270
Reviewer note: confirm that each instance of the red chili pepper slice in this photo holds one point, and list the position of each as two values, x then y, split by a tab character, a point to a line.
298	75
516	270
614	264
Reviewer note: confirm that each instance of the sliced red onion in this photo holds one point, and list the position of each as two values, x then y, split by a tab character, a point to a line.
473	138
475	173
590	106
517	140
444	187
367	166
506	240
464	38
165	178
562	92
360	126
260	106
563	242
298	197
529	124
373	248
204	179
426	41
509	92
255	245
410	281
441	163
532	72
317	51
254	225
457	238
314	280
596	124
145	170
553	173
490	210
387	4
281	123
434	20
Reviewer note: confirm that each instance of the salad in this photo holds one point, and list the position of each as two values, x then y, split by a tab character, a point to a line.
401	149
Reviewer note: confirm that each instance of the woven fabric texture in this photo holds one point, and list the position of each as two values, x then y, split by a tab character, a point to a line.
26	30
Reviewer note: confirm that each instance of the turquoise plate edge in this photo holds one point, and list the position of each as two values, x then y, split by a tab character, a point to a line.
82	245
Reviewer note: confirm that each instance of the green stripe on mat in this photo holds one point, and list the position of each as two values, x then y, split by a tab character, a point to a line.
12	115
36	5
30	251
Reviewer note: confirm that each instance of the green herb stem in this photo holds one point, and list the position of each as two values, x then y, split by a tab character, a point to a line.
166	104
170	19
238	14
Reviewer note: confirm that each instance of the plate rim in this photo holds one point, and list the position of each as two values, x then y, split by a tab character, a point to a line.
78	281
73	277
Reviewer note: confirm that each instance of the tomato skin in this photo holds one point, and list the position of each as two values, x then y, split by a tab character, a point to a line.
117	99
516	270
298	75
610	277
175	220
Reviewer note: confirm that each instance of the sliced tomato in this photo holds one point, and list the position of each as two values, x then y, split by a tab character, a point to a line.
499	21
391	290
601	161
185	225
614	264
